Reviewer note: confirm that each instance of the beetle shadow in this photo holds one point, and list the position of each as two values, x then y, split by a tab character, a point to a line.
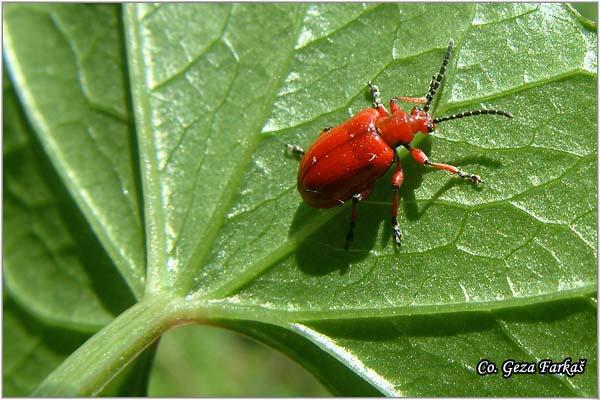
322	252
414	174
414	178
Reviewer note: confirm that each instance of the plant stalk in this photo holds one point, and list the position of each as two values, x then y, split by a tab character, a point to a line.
104	355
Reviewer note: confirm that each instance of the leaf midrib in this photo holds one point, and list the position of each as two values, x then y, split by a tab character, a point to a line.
228	309
154	217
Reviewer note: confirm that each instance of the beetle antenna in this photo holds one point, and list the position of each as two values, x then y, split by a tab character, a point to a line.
436	80
472	113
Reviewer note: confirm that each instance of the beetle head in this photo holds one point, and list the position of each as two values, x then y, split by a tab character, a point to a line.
421	121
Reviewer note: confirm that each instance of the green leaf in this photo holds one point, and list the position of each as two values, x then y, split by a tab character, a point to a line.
501	271
70	78
53	267
31	350
53	264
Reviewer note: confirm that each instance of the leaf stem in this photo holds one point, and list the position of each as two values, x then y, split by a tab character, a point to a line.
104	355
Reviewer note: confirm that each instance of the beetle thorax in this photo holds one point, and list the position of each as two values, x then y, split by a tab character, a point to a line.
397	129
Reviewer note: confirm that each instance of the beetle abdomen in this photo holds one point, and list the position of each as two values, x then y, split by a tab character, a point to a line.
343	162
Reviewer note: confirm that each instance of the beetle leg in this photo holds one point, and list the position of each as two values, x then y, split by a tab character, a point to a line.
295	149
422	159
326	130
394	106
397	179
350	235
355	200
417	100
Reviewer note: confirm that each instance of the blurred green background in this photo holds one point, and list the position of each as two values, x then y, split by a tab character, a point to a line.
208	361
588	10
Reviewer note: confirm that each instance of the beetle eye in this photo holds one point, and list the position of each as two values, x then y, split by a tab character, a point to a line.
430	127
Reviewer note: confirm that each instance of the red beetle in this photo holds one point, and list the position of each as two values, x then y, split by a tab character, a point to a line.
345	161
